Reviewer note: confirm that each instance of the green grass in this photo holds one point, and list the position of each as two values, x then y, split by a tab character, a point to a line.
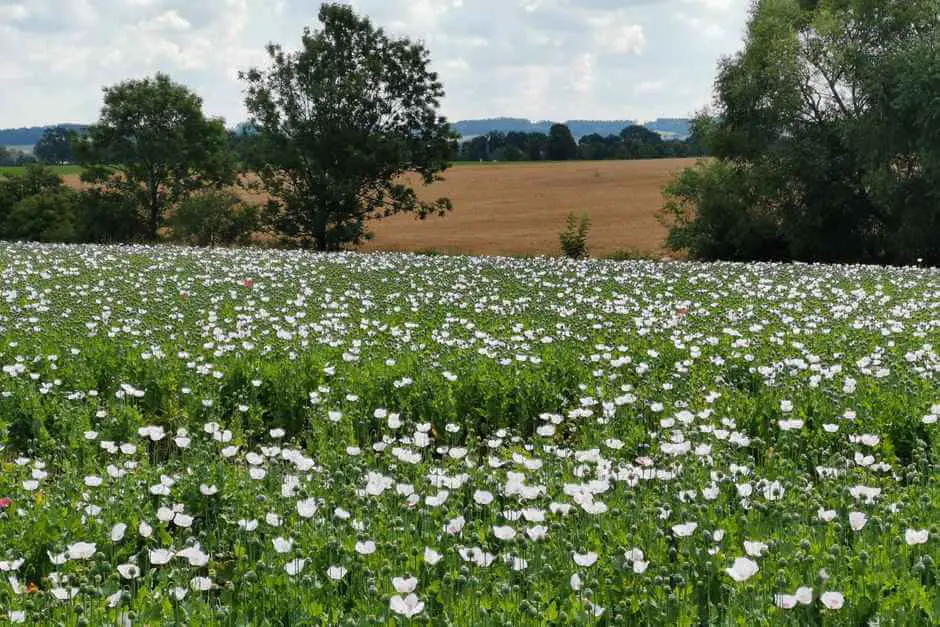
61	170
296	434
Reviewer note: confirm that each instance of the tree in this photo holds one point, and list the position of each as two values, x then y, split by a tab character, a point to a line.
55	146
826	122
341	121
154	146
561	144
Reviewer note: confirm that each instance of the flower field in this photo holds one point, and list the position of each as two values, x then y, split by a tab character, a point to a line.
276	438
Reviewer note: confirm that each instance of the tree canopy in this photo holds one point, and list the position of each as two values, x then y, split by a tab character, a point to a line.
561	145
340	122
825	135
55	146
153	145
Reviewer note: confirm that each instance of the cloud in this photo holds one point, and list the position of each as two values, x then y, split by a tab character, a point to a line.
551	59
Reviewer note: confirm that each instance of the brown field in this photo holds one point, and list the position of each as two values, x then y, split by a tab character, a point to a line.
518	209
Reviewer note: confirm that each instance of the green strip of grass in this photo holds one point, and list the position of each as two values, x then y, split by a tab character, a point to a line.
61	170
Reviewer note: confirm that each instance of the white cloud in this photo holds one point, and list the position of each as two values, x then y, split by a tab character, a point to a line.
552	59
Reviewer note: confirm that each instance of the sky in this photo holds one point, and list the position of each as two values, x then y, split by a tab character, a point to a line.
536	59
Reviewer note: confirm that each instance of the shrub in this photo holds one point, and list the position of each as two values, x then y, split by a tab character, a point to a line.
574	236
49	216
214	218
105	216
713	212
628	254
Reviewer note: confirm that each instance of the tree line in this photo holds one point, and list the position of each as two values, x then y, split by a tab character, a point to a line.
633	142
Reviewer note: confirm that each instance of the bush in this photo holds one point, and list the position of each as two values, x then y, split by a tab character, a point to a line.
49	216
36	206
106	216
713	212
574	236
214	218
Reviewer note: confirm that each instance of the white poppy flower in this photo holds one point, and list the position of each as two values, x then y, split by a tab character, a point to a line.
294	567
365	548
336	572
118	531
431	556
159	557
81	550
408	606
832	600
282	545
742	569
405	585
916	536
857	520
504	532
584	559
129	571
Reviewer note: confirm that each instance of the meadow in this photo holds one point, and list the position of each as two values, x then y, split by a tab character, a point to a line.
278	438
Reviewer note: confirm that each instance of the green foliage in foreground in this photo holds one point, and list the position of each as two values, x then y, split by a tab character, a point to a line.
277	438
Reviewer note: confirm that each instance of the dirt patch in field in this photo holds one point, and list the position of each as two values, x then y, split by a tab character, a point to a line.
518	209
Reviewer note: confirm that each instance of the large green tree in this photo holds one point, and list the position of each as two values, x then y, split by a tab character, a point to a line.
154	146
55	146
825	134
561	145
341	121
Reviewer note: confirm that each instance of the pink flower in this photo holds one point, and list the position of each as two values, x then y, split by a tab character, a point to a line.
5	502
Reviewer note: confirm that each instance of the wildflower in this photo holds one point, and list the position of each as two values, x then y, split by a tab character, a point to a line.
118	531
742	569
294	567
129	571
804	594
81	550
857	520
584	559
408	606
404	585
504	532
365	548
159	557
431	556
685	529
832	600
916	536
336	572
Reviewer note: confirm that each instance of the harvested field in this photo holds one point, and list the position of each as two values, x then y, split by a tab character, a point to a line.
518	209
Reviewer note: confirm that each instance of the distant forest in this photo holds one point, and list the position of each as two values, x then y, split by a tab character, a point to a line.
678	127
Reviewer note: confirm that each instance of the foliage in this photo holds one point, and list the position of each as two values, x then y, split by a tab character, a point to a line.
48	216
534	441
516	146
214	218
55	146
826	124
154	146
574	236
341	120
561	145
108	216
32	181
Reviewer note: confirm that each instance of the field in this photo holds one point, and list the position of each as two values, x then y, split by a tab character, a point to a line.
274	438
61	170
519	208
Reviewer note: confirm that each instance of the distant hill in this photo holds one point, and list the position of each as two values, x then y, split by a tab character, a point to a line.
673	127
29	136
